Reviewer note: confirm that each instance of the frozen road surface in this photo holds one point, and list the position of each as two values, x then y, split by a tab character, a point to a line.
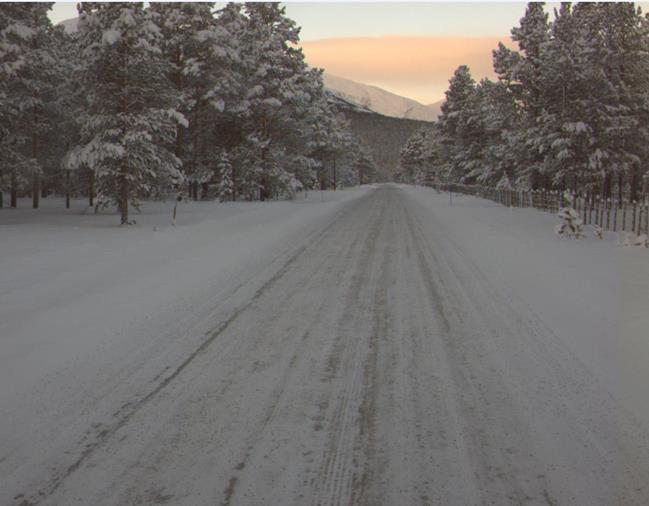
376	364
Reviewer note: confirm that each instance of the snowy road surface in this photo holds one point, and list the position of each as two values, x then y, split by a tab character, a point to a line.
372	363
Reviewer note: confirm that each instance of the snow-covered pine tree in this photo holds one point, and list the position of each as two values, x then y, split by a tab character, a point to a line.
229	123
455	125
365	166
27	77
522	71
500	140
413	158
563	126
614	65
226	185
129	126
66	108
329	141
185	29
203	54
279	93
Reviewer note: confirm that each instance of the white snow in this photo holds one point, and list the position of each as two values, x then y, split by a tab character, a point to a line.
593	294
378	347
110	36
83	300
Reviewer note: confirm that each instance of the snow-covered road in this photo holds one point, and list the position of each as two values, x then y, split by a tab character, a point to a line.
372	362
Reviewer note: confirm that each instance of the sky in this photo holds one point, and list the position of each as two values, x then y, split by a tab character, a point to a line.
407	48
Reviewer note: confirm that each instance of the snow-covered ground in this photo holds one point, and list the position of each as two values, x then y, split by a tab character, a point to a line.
371	346
88	307
592	293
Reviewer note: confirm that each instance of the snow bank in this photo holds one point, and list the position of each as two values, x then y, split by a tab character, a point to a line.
593	294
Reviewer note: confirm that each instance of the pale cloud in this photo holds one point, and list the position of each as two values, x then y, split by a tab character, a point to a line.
418	67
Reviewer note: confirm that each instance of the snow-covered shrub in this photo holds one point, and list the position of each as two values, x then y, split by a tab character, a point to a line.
571	224
598	231
630	239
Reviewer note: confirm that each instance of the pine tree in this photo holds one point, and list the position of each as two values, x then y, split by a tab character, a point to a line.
130	122
226	185
329	141
365	166
26	82
415	158
202	52
457	124
280	91
531	36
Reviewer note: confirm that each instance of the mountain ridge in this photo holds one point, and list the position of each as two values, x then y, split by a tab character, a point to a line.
382	101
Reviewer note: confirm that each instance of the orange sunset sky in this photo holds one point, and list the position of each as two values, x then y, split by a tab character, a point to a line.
418	67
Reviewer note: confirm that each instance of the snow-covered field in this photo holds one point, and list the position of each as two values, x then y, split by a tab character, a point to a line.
370	346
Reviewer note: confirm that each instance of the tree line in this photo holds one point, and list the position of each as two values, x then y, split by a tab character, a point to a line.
569	110
175	97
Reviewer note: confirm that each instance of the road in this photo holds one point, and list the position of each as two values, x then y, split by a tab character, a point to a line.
377	366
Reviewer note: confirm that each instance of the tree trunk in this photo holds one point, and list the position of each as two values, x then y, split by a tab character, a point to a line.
36	177
634	186
14	189
91	189
334	167
36	190
620	187
123	195
67	189
234	183
606	191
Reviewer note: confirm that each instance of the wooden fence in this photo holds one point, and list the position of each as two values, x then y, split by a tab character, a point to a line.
610	214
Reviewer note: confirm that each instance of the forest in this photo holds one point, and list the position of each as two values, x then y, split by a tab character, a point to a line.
175	99
568	112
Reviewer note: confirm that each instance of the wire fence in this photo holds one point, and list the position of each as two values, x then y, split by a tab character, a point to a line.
609	214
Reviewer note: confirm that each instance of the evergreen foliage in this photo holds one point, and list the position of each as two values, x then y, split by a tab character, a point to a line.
569	109
141	101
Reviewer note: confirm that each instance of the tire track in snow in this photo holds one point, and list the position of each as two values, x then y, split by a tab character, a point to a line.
334	481
495	472
538	426
131	408
336	270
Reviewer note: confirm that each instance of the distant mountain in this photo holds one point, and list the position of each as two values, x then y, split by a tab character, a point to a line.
381	101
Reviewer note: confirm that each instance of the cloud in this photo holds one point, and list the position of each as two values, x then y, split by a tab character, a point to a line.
416	67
